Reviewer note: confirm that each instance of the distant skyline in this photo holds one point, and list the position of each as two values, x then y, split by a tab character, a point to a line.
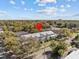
39	9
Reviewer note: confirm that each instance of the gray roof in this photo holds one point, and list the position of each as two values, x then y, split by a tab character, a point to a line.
40	34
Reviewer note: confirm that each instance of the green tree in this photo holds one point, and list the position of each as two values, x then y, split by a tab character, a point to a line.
10	41
5	28
59	47
77	38
29	45
66	32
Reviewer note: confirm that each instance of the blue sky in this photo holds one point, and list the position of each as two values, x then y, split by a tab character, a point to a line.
39	9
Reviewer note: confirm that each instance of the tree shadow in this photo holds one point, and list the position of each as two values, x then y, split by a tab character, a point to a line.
51	55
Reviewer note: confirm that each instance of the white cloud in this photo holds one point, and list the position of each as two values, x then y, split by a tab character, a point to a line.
28	9
25	9
68	5
75	15
22	2
41	4
62	6
72	0
46	1
31	9
69	0
48	10
3	13
63	10
12	2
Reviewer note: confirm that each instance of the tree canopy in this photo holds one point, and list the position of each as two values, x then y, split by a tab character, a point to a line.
59	47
